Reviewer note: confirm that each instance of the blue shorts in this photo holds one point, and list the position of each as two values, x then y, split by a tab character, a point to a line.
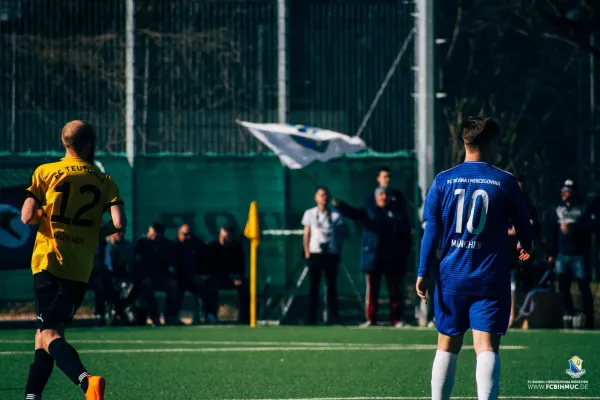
454	314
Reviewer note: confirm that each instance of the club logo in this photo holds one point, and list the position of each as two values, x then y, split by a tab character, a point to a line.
13	232
320	146
575	367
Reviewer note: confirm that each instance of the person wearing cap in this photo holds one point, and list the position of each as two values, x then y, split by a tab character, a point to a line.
569	243
385	246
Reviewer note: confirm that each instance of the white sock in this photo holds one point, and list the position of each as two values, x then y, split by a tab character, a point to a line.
488	376
442	375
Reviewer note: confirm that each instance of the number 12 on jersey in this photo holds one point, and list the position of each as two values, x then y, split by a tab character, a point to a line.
460	205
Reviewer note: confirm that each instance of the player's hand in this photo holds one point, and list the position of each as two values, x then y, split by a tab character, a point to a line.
335	202
550	259
422	287
524	256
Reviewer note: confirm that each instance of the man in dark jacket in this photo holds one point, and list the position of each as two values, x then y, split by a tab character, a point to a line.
396	199
386	244
524	276
193	273
226	258
569	245
154	270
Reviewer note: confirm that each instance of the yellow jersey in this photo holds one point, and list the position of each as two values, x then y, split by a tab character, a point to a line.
73	195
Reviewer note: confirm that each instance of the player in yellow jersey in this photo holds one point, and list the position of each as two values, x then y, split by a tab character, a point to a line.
67	198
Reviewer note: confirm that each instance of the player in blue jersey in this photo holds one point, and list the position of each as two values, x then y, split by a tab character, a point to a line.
467	209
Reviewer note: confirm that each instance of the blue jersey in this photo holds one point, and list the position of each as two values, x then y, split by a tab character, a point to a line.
469	208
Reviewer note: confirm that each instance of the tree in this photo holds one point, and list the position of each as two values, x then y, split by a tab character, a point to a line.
497	62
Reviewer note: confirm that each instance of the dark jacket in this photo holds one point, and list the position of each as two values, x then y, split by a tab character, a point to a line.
227	261
512	240
191	257
576	242
118	258
397	201
153	258
386	234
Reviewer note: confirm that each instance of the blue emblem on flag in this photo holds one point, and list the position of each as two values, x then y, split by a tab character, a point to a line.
320	146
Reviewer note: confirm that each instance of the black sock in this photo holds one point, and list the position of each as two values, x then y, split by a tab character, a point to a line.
39	373
68	361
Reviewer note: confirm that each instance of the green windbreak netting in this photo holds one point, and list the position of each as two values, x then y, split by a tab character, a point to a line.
208	192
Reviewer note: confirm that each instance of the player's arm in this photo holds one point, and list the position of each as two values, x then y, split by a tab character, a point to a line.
32	211
520	216
114	205
117	223
432	217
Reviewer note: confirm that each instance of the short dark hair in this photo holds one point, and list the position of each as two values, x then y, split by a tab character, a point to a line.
383	168
479	130
158	227
324	188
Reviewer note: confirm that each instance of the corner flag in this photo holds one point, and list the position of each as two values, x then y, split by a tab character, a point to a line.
252	232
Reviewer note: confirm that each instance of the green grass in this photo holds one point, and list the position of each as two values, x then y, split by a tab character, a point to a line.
242	363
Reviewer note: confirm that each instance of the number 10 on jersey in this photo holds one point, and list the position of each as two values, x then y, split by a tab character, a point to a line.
460	205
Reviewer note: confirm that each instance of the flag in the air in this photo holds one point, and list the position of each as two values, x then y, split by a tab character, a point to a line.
252	231
299	145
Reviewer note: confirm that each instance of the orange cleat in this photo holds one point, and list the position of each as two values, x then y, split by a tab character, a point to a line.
96	386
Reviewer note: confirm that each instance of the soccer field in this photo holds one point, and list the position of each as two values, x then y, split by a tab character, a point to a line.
296	363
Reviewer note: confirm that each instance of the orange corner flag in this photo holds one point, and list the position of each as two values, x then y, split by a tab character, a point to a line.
252	231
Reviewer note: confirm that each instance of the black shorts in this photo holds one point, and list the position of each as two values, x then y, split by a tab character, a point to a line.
56	300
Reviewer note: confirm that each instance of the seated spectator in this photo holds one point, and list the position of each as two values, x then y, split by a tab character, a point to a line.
226	257
193	273
118	256
154	271
100	284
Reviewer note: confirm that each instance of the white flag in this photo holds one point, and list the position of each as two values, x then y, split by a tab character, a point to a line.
299	145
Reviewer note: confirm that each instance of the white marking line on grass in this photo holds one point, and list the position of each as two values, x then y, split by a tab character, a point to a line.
328	346
424	398
255	349
582	332
242	343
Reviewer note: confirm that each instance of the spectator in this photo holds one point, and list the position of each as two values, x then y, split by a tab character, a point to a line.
226	258
153	270
569	244
118	261
322	246
523	274
386	244
193	273
100	284
118	256
396	199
